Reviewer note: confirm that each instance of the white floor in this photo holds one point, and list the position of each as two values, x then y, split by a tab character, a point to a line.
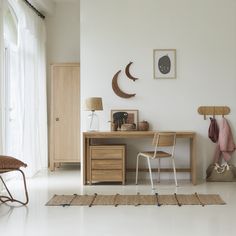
39	220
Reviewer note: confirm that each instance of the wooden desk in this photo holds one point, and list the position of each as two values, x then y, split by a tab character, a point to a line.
88	136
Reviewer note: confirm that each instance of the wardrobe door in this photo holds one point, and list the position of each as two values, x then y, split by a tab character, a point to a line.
65	114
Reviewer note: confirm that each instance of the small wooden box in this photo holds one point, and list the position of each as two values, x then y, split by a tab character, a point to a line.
107	163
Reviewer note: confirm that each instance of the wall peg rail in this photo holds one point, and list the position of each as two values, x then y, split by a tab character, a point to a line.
213	111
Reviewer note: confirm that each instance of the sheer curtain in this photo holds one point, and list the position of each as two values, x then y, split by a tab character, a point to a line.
32	88
1	79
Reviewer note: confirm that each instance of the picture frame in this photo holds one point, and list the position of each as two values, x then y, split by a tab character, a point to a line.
129	119
164	63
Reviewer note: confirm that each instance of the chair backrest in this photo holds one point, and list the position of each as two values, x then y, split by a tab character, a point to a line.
164	139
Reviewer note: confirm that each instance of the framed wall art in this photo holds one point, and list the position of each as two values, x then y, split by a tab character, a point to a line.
164	63
124	116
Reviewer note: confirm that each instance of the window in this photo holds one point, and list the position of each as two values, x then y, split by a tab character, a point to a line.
11	78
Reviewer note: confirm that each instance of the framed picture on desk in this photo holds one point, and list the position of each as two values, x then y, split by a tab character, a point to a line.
124	118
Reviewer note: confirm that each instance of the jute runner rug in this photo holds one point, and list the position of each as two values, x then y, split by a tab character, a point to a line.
135	200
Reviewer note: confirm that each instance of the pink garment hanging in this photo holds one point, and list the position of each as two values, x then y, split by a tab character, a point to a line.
225	145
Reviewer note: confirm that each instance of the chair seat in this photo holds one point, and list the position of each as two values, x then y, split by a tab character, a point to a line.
8	163
159	154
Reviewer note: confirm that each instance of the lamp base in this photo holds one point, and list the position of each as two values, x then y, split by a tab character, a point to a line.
92	122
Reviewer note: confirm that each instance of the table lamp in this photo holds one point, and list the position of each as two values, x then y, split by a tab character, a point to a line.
93	104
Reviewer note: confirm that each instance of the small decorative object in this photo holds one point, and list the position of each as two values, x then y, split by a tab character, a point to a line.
143	126
117	89
120	117
93	104
127	72
164	63
114	126
128	127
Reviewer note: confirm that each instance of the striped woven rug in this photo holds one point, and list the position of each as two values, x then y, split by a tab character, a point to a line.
135	200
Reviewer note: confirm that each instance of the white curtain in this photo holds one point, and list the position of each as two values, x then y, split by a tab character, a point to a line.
32	88
1	84
1	79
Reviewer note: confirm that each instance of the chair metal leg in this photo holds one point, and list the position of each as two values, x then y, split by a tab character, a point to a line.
5	199
173	163
136	180
9	193
159	170
150	171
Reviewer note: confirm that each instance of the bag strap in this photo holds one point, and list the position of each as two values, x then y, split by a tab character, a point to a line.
221	168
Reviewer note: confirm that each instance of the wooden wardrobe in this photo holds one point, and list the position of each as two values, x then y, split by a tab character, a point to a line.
65	114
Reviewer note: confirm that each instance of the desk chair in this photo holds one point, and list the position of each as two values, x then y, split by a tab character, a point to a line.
8	164
160	140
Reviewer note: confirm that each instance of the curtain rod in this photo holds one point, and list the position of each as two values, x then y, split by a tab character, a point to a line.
34	9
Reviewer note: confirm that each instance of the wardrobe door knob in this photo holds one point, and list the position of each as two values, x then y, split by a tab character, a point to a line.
57	119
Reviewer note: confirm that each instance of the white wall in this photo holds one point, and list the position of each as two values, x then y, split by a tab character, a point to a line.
63	33
63	37
203	32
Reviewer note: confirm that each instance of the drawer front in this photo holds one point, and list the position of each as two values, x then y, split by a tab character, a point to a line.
107	153
107	164
107	175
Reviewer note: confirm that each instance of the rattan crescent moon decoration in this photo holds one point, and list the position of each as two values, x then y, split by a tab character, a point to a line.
117	89
127	72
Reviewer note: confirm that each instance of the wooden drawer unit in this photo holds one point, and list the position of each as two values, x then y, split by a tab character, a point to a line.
107	163
107	175
106	152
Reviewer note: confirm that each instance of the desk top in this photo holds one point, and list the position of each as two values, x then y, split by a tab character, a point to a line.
134	134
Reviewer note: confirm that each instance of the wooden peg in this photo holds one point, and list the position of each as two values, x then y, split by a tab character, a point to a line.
224	111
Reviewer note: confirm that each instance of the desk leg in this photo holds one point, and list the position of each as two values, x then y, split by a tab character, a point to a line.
193	160
88	167
86	161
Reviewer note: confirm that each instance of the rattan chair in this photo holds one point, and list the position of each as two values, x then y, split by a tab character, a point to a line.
8	164
160	140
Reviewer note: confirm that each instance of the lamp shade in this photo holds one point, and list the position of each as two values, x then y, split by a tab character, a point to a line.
93	104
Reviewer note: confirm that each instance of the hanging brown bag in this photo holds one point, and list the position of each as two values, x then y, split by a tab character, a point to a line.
221	173
213	131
